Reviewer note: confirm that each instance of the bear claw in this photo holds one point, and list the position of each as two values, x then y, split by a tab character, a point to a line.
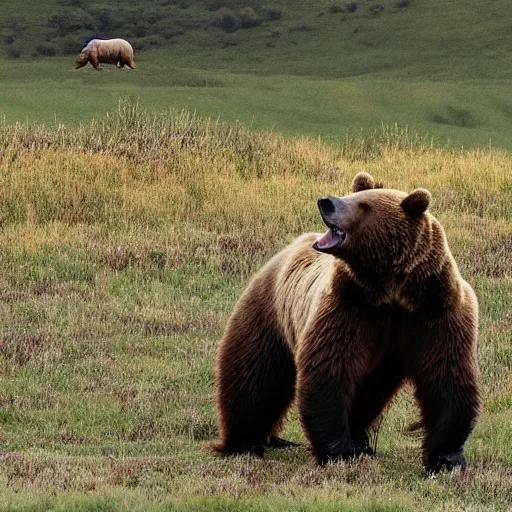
449	461
278	442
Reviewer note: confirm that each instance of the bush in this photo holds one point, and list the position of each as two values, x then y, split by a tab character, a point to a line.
13	52
145	43
272	13
72	3
455	116
107	20
155	40
70	45
18	24
351	7
248	18
139	43
45	50
170	32
151	16
71	19
142	29
227	20
214	5
403	3
301	28
336	8
183	4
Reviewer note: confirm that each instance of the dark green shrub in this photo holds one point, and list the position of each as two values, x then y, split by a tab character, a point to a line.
151	16
455	116
155	40
142	29
139	43
72	3
376	9
45	50
69	45
107	20
18	24
214	5
229	44
248	18
336	8
271	13
170	32
183	4
226	20
71	19
301	28
403	3
13	52
351	7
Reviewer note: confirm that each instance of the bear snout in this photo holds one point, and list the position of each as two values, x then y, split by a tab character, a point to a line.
329	205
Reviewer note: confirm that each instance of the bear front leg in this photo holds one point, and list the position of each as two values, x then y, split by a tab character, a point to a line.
329	372
445	371
324	405
255	378
94	60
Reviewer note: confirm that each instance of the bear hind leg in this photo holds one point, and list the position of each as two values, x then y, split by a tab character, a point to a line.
447	389
255	387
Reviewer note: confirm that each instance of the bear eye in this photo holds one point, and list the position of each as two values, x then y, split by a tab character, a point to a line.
364	206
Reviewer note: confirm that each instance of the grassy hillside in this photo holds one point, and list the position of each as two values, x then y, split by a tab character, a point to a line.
320	68
330	38
468	114
123	248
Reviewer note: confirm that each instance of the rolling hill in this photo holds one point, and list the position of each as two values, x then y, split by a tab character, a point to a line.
321	68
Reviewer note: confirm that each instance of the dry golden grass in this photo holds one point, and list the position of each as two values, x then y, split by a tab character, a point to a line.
123	247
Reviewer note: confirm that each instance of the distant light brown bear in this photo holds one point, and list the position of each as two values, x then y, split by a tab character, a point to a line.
341	320
107	51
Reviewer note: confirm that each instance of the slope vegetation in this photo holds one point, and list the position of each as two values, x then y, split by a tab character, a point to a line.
123	246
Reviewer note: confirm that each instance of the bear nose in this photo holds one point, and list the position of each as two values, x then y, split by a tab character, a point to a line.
326	205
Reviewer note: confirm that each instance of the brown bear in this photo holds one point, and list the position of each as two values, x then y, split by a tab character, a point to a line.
341	320
108	51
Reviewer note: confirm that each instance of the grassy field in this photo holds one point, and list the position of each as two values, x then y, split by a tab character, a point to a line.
473	114
440	68
124	244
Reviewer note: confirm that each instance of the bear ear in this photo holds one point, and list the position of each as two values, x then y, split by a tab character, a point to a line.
363	181
417	202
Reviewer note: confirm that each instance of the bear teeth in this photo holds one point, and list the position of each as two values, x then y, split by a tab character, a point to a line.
337	232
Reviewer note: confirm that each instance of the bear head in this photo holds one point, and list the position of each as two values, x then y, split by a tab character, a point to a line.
375	230
81	60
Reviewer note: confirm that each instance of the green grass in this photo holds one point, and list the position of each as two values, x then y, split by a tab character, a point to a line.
439	68
122	251
467	114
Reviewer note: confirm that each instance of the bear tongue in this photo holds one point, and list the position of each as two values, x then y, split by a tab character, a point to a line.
327	240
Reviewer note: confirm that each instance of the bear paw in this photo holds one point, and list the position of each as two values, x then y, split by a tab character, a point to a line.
239	449
446	460
362	445
343	453
279	442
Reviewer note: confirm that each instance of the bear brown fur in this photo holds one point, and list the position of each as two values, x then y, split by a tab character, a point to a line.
340	321
108	51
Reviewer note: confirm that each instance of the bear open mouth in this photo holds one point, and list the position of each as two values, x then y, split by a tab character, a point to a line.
333	237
